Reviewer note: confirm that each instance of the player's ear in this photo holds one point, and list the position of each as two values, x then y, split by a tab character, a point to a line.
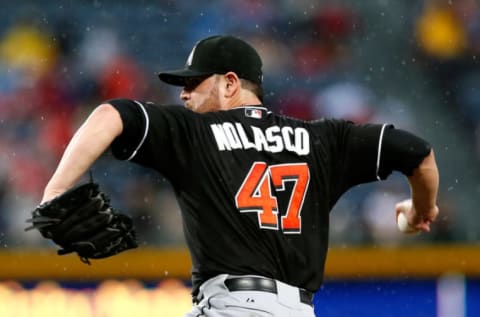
232	84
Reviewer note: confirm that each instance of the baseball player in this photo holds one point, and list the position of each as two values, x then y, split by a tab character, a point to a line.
255	188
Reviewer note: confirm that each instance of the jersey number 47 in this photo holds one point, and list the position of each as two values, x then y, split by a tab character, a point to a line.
255	194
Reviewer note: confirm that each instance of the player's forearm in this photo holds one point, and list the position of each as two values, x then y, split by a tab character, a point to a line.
424	186
89	142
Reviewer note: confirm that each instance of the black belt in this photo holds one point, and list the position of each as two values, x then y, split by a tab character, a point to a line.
262	284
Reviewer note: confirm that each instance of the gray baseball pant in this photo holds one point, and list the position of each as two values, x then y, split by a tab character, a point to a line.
216	300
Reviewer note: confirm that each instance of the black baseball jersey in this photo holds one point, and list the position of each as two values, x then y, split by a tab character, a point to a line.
255	188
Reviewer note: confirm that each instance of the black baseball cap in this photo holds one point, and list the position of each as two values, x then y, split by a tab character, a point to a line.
218	54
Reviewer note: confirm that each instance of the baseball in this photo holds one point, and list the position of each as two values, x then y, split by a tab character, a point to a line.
403	225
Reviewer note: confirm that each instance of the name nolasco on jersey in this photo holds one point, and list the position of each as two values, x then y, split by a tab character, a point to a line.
232	136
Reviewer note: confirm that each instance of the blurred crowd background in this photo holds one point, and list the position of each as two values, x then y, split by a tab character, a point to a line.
413	63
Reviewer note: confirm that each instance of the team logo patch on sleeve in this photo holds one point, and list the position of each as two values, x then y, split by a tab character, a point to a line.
253	113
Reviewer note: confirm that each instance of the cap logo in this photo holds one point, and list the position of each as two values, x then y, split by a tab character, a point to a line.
190	57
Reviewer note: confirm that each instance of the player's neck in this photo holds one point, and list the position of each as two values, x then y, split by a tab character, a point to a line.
244	98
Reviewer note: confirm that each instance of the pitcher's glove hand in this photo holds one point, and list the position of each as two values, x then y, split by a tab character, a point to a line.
81	220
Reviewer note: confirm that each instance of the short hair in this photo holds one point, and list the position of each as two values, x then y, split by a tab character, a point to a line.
253	87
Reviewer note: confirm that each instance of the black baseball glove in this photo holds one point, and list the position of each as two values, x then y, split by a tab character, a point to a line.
81	220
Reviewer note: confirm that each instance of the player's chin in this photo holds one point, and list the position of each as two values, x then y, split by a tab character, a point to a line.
189	106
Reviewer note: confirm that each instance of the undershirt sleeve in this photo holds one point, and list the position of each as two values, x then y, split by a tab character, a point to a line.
401	151
374	151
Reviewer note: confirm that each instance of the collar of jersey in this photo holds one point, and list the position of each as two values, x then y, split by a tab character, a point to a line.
250	107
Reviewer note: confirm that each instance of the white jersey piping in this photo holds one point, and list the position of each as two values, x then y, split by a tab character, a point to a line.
379	152
147	124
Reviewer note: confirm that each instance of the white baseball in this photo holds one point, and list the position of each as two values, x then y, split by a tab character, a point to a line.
403	225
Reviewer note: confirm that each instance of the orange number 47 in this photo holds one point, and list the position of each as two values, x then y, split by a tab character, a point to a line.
255	194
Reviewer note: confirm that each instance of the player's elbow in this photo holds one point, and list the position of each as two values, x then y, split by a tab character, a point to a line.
428	165
426	176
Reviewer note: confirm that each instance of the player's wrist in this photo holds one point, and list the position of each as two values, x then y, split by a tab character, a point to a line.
49	194
425	213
